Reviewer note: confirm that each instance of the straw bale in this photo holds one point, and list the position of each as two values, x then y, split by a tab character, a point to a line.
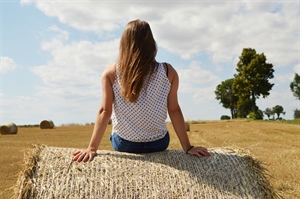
47	124
9	128
187	126
228	173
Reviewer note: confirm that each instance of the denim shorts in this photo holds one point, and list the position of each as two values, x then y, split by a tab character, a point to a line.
122	145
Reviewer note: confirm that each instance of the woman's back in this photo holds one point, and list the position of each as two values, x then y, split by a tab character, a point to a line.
143	120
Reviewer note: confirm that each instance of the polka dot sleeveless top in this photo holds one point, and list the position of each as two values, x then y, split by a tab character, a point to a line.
144	120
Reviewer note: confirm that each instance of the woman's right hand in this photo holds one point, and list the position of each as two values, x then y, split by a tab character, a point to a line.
199	151
86	155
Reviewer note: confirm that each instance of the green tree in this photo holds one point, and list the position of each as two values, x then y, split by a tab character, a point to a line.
225	117
295	86
268	112
258	115
278	110
252	79
296	113
243	108
226	97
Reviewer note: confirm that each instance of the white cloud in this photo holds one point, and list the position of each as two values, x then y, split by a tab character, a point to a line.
194	77
14	107
23	109
61	34
199	82
284	78
186	29
297	68
7	64
83	15
75	68
204	96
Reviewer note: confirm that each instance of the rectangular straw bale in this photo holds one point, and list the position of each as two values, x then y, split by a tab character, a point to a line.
228	173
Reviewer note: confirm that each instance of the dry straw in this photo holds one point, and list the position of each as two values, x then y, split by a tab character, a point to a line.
9	128
187	126
228	173
47	124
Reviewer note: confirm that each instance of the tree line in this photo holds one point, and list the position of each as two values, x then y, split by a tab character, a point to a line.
251	82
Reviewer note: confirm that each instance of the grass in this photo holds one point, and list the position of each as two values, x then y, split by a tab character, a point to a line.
296	121
275	143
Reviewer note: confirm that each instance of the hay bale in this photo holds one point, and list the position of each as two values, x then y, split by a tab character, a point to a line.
187	126
50	173
9	128
47	124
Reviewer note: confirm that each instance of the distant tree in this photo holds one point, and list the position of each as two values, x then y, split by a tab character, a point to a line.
268	112
225	117
258	115
273	114
278	110
243	108
295	86
226	97
296	113
252	79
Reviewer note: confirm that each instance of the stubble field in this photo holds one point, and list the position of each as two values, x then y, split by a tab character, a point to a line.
276	144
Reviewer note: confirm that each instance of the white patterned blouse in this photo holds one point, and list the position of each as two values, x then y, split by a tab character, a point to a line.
144	120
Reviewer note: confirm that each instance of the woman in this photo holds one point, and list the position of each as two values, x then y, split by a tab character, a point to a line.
138	92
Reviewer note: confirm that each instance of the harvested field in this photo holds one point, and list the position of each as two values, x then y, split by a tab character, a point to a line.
275	144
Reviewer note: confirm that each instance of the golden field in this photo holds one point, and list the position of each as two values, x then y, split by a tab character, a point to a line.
274	143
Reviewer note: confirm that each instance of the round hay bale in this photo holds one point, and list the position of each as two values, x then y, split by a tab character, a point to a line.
170	174
187	126
9	128
47	124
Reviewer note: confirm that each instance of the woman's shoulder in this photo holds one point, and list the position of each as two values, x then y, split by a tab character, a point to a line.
110	69
171	70
110	72
169	66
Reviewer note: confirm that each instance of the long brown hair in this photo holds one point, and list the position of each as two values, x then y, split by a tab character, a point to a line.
136	58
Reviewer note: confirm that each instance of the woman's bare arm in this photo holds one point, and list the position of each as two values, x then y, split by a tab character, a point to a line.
177	119
102	117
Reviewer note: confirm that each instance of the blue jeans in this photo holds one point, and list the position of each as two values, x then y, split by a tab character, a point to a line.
122	145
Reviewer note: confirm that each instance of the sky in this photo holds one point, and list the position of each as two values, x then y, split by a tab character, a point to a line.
53	52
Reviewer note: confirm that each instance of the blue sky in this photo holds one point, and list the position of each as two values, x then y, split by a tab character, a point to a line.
54	52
